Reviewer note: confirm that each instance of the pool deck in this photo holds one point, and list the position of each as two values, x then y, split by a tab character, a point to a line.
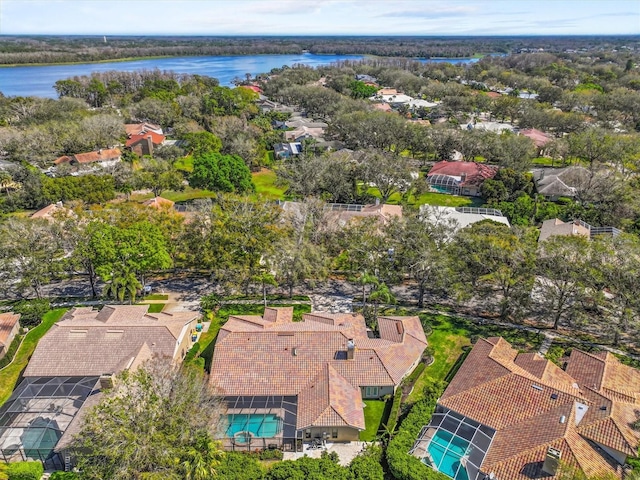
346	451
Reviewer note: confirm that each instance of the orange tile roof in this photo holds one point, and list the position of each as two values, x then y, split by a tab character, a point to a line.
532	405
138	128
103	155
7	323
158	202
156	138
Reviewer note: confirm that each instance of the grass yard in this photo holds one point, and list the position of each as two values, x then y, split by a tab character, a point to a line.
374	413
265	182
155	307
185	164
9	375
157	296
431	198
187	194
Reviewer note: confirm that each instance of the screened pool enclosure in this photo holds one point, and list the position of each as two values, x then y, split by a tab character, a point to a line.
454	445
37	414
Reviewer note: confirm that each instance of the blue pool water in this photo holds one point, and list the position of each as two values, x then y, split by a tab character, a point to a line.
259	425
446	450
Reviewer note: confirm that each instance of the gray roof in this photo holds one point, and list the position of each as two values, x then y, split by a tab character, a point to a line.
563	182
87	342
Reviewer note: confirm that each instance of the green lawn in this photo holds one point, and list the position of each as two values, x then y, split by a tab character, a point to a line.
157	296
185	164
9	375
155	307
188	194
431	198
373	418
265	182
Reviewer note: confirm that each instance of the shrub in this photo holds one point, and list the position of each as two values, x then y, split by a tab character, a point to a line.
402	465
191	354
11	351
25	471
366	466
64	476
3	471
239	466
395	411
31	311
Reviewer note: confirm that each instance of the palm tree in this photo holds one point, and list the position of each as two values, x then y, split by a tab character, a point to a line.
201	459
380	295
366	279
123	283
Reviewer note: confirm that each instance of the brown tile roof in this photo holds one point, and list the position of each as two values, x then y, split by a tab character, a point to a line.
272	355
86	342
139	128
7	323
330	401
533	405
540	139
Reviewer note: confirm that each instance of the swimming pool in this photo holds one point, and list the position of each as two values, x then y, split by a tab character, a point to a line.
447	452
259	425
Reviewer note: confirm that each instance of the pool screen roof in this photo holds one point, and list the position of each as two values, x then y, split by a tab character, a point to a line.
443	180
284	406
38	413
463	431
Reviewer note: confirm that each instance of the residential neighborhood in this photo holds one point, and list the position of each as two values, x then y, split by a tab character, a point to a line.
405	258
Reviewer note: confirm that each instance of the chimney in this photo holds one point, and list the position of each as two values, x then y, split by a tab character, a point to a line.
551	461
100	152
351	348
106	381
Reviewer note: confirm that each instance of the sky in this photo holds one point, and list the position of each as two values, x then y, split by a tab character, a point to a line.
320	17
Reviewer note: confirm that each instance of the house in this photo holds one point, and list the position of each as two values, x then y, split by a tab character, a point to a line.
539	138
338	215
144	143
105	157
554	183
287	382
72	363
51	211
460	178
517	416
495	127
301	133
141	128
555	226
9	328
159	202
367	79
287	150
461	217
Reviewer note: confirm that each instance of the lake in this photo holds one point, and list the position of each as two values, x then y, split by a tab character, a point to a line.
38	80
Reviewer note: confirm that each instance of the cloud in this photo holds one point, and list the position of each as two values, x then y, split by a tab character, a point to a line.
433	12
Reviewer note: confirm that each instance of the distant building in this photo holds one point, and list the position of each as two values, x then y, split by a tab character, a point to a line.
144	143
461	217
159	202
142	128
287	150
555	226
105	157
554	183
460	178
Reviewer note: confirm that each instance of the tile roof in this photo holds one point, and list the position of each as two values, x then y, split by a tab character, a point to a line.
156	138
540	139
555	226
157	202
86	342
473	173
272	355
330	401
532	405
7	323
103	155
139	128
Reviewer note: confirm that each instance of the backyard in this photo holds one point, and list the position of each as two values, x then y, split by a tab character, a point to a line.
374	413
10	375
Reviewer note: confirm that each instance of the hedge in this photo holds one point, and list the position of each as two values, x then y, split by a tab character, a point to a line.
11	351
25	471
64	476
402	465
395	411
191	354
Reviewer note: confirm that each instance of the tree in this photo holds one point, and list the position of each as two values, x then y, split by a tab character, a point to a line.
562	267
367	465
489	257
380	295
159	175
31	254
360	89
157	419
224	173
389	173
202	143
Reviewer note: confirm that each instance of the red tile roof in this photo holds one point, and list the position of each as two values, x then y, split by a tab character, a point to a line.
540	139
104	155
138	128
156	138
157	202
472	173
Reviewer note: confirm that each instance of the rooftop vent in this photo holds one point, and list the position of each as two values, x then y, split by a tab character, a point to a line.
106	381
351	348
603	408
563	419
554	396
537	387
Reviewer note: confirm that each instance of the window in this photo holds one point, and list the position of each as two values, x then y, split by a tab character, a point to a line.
307	433
334	433
371	392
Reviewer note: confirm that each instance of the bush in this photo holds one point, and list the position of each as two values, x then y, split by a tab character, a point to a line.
25	471
239	466
402	465
366	466
64	476
395	411
191	354
3	471
31	311
11	351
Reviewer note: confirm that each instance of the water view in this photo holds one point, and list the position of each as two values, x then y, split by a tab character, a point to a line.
39	80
